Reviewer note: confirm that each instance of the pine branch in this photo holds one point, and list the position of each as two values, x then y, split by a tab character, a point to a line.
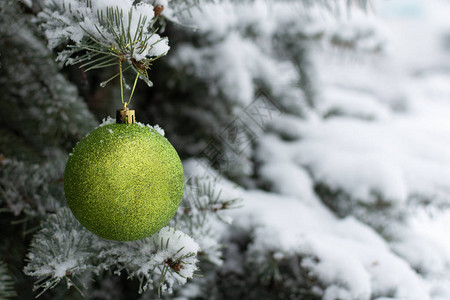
203	195
63	250
6	283
30	188
203	204
159	261
60	250
37	96
115	33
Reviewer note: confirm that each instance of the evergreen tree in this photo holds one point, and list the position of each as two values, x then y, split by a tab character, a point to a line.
308	152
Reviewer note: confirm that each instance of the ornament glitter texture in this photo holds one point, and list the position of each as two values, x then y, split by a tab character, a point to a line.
124	181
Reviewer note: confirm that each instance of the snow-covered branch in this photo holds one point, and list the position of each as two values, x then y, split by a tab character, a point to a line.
64	250
108	32
203	214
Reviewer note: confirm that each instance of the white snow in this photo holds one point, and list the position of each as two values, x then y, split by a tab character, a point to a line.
379	135
28	3
287	179
60	269
148	258
340	101
106	121
350	258
158	129
233	62
83	20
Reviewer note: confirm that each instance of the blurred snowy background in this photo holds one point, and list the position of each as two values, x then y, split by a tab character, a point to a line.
358	187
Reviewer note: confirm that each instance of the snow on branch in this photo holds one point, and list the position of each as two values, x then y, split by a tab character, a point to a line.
202	214
204	196
28	188
161	260
64	250
107	31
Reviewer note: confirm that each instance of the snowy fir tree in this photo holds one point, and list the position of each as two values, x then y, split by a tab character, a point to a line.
314	138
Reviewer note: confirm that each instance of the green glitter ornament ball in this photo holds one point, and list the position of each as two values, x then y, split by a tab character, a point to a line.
124	182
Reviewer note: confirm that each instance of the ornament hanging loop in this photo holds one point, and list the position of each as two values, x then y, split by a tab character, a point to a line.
125	115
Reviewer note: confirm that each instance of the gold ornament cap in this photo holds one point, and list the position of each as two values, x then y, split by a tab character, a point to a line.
125	115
